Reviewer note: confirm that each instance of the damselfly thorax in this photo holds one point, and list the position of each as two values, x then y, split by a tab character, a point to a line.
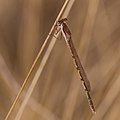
63	27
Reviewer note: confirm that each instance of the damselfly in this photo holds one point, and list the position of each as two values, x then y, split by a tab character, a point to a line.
61	26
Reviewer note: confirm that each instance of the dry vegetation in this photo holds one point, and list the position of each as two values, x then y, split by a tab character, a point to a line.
58	93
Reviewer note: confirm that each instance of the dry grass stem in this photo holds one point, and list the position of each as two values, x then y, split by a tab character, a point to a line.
43	62
35	61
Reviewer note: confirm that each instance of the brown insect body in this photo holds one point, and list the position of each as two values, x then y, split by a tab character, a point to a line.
62	25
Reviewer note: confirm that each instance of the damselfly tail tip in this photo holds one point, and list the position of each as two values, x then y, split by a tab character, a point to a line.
93	111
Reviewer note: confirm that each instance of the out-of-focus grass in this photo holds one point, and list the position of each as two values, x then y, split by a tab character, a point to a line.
59	93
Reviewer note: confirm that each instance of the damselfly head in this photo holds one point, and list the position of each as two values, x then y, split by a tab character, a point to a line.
61	21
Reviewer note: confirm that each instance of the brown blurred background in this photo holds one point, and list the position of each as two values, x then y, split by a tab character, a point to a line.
59	95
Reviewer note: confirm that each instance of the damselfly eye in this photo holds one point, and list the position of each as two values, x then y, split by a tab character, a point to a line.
64	19
58	23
